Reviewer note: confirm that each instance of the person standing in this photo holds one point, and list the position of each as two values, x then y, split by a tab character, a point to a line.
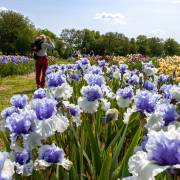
41	59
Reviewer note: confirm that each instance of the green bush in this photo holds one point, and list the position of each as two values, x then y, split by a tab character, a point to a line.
16	69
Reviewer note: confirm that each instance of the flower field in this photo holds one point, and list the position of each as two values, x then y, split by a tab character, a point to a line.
15	65
170	66
21	65
117	119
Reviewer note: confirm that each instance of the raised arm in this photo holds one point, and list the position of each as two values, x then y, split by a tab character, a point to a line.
48	45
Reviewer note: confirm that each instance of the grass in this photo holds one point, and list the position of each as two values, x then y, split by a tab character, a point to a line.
12	85
21	84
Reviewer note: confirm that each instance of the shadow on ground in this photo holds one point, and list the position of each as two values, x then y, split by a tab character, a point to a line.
30	91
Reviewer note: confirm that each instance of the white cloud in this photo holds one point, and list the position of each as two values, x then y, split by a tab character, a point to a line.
114	18
3	8
157	33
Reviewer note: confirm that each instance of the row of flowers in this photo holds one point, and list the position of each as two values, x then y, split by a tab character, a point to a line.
130	58
170	66
13	59
92	104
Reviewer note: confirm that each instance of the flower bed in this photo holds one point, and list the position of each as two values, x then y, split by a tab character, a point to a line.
170	66
90	121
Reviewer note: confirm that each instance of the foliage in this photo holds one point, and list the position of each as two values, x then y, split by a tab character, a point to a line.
16	33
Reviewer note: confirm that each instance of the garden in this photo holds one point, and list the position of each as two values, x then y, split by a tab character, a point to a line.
110	112
96	119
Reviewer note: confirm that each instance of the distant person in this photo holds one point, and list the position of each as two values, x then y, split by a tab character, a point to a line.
77	54
92	53
40	46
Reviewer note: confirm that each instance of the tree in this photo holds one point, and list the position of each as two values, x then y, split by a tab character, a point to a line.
171	47
156	46
72	38
132	46
142	45
16	33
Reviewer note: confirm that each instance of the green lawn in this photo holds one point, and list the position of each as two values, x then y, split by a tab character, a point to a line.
25	84
15	85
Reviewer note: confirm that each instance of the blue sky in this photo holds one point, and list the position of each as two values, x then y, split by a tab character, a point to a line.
131	17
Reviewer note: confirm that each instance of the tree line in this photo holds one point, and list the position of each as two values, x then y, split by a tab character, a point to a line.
17	33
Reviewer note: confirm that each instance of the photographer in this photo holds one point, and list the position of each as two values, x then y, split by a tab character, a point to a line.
41	45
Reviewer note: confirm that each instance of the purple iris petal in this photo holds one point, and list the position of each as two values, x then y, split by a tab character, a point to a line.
146	102
84	61
22	157
75	77
62	67
20	123
24	59
102	63
95	80
74	110
166	90
8	111
125	93
165	152
44	108
123	68
163	78
149	65
4	60
69	66
19	101
78	66
148	85
14	59
170	114
52	155
92	93
39	94
55	79
95	70
133	80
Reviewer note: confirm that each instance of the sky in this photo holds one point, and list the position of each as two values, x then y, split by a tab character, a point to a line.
130	17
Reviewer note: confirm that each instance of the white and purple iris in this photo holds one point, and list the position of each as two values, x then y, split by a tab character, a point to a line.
24	164
166	90
55	79
19	101
168	112
102	63
89	100
163	78
175	93
134	80
8	111
20	124
51	154
44	108
161	153
74	111
149	69
123	68
146	101
94	79
148	85
39	93
48	122
124	97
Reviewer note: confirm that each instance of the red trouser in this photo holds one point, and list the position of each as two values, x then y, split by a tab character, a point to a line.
41	67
